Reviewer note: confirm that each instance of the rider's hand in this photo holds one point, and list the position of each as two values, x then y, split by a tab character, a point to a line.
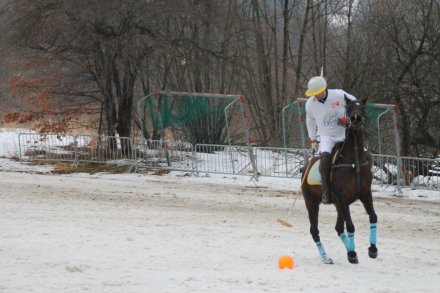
314	145
342	121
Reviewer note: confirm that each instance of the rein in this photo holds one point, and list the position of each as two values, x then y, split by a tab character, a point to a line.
355	164
356	160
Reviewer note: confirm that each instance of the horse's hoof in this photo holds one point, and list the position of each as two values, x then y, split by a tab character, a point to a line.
327	260
352	257
372	251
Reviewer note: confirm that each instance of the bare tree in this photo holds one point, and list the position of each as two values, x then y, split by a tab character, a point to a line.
410	35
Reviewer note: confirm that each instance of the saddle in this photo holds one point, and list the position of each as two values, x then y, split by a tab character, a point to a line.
313	176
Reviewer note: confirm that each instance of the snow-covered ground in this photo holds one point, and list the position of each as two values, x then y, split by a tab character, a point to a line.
216	233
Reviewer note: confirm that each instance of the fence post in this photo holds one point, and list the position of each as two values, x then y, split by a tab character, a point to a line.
75	151
248	138
398	148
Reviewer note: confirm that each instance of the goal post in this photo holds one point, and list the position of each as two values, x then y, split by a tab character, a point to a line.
208	118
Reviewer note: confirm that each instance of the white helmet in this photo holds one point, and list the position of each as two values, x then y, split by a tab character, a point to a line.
317	85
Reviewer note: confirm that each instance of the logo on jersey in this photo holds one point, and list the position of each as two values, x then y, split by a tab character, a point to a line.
334	105
330	121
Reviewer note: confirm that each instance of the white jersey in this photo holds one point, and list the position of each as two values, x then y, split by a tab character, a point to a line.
322	118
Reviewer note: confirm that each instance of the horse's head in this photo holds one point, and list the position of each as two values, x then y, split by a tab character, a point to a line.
356	113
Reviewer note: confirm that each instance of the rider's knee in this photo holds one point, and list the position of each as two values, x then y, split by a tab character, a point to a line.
325	154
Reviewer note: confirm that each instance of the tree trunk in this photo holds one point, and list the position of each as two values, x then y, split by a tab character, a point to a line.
265	76
285	48
302	36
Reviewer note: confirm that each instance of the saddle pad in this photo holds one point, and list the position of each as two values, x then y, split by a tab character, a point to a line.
314	177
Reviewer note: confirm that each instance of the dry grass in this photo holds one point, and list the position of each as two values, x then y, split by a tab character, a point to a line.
161	172
93	168
64	168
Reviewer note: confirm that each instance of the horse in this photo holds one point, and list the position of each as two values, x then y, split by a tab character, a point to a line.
351	179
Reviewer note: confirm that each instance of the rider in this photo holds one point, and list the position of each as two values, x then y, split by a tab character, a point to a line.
325	110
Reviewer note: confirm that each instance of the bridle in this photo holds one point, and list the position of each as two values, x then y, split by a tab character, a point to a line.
356	117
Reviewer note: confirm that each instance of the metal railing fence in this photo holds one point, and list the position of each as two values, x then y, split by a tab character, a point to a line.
385	170
75	149
417	173
104	149
223	159
280	162
421	173
47	147
174	155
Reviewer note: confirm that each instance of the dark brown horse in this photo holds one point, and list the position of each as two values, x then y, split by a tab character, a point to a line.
350	180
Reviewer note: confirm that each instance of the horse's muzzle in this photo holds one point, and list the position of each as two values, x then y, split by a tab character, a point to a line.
356	121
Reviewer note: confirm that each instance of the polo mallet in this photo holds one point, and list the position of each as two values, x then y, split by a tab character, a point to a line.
284	221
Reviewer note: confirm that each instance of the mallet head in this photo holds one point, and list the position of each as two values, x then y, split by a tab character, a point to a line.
285	223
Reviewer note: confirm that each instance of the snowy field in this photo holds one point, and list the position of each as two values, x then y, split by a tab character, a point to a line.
213	233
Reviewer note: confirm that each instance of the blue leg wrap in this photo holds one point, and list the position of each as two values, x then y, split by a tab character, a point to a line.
373	239
350	242
321	249
344	239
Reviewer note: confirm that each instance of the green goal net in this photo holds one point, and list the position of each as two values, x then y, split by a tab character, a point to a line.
193	117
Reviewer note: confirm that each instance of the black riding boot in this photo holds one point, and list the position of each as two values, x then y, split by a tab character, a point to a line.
324	169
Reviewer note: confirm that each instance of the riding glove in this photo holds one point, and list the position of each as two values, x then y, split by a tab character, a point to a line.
343	121
314	145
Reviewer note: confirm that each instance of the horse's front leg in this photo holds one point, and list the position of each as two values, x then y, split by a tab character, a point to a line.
313	211
349	238
340	226
368	205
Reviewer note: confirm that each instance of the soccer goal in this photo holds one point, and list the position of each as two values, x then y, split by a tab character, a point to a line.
207	118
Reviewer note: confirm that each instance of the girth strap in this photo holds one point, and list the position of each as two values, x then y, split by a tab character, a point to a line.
353	165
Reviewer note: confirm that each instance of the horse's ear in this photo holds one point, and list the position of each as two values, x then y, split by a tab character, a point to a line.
347	100
364	100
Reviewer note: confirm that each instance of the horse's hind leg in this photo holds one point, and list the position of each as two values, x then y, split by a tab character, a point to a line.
369	207
313	210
